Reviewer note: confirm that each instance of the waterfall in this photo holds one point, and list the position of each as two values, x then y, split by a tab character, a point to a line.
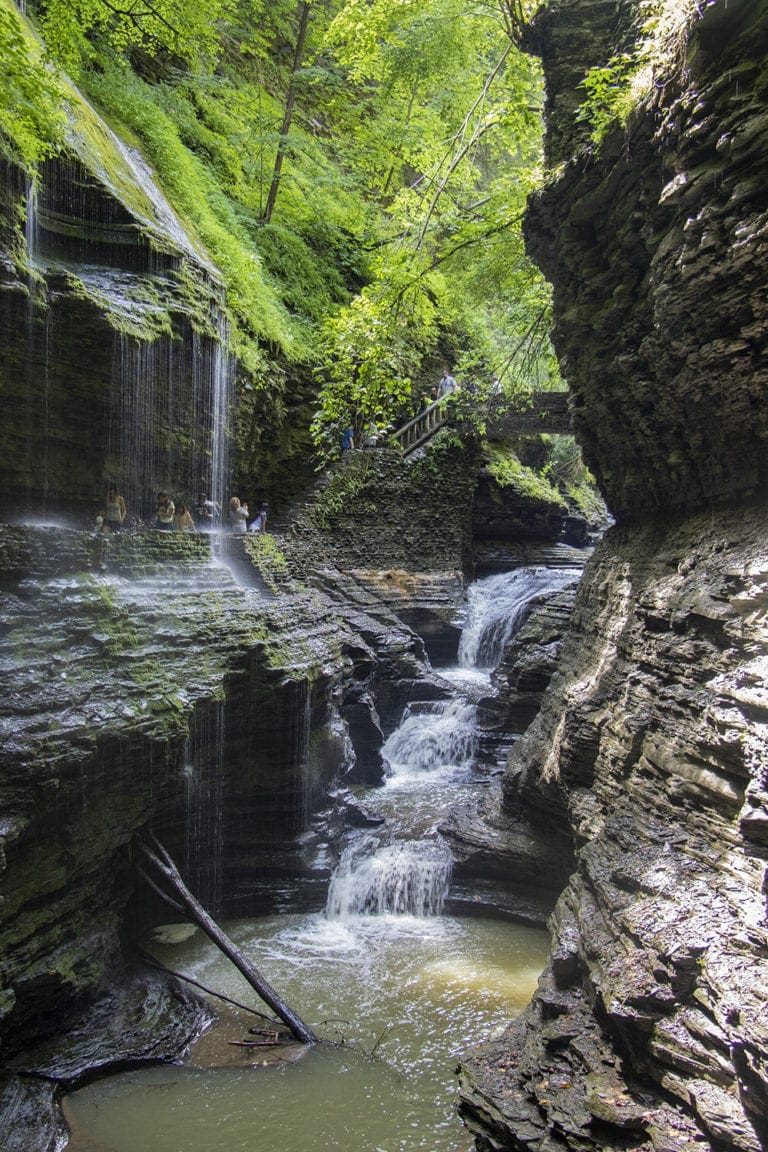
127	375
499	606
222	398
31	227
432	736
169	424
407	877
431	754
204	831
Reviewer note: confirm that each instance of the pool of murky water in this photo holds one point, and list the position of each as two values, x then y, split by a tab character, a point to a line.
398	998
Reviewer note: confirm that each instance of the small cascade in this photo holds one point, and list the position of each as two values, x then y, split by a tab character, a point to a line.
433	736
499	606
432	756
410	877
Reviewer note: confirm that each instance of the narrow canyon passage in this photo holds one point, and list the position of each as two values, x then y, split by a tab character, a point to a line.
397	987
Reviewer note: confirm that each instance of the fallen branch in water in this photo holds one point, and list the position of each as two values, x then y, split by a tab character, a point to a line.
156	855
148	959
382	1037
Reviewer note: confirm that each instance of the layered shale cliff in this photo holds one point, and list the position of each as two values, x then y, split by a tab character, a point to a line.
649	1026
143	686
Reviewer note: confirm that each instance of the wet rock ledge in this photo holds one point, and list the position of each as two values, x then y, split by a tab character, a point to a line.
650	1025
142	686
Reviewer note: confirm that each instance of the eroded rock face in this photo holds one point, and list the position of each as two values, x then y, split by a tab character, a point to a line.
651	1021
143	685
114	365
649	1026
656	248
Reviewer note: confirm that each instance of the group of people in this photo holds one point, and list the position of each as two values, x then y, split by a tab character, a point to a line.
448	384
177	516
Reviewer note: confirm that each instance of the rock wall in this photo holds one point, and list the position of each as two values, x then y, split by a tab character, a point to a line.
374	510
650	1023
143	686
648	1028
656	248
113	364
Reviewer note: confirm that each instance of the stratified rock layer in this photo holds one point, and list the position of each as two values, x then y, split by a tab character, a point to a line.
656	247
649	1026
142	685
651	1023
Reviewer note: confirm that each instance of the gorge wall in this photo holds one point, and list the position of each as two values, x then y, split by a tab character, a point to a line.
649	1026
143	686
114	336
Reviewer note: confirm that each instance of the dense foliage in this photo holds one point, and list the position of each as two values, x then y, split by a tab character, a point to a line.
357	169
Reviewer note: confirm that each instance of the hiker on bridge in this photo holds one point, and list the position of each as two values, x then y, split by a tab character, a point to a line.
446	386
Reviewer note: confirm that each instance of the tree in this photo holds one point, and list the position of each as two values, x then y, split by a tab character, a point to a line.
302	18
184	28
461	153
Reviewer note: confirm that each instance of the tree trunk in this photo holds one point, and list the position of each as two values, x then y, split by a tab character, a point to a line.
165	867
302	15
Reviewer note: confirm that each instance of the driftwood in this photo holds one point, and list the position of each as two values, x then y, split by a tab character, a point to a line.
164	867
254	1043
203	987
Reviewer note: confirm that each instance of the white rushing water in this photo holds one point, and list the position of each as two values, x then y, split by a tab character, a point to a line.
406	877
498	606
405	868
433	736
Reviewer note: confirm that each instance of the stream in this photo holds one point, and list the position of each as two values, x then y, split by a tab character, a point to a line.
399	989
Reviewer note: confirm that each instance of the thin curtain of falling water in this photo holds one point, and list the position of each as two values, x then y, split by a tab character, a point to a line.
170	419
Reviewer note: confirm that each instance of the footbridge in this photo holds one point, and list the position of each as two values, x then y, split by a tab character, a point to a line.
539	412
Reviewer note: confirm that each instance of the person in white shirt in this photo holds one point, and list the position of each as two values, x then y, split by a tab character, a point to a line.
238	515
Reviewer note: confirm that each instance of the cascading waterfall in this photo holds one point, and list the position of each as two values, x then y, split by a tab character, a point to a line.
431	751
383	966
142	395
498	606
432	736
406	877
170	420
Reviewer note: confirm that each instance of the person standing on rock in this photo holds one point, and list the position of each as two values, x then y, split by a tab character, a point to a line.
238	515
112	516
206	513
182	519
164	510
347	439
260	520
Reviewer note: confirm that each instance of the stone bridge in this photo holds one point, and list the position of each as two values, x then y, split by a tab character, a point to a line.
546	412
543	412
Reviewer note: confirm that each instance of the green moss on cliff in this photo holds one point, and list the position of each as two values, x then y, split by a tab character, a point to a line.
509	472
31	114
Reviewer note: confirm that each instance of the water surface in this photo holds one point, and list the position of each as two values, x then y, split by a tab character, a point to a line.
406	995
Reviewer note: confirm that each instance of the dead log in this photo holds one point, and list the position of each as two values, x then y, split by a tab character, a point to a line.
164	866
147	959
